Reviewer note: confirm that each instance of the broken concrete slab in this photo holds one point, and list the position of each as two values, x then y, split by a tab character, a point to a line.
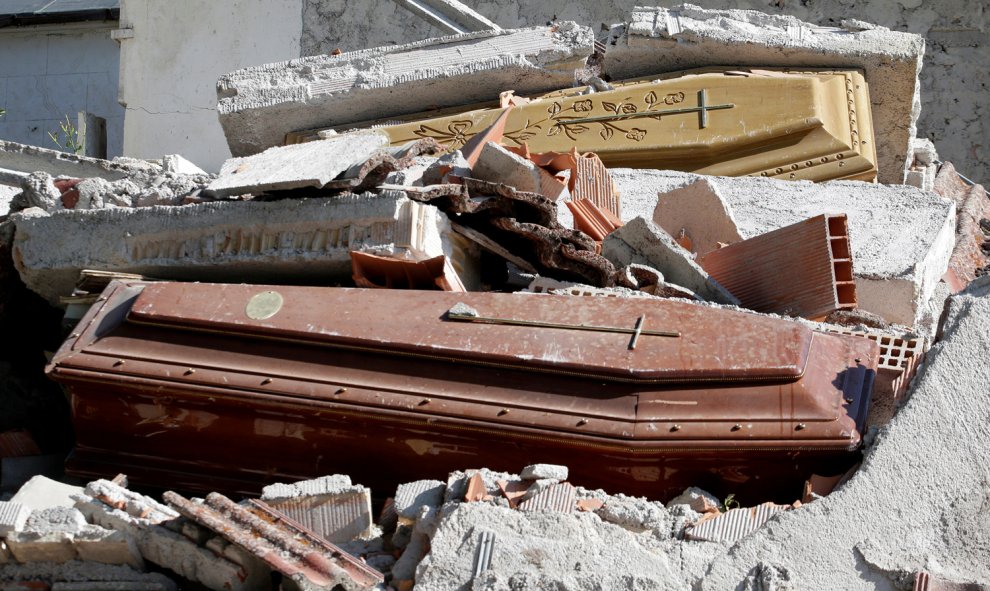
640	241
902	237
658	40
862	537
41	493
27	159
697	205
309	165
297	240
258	106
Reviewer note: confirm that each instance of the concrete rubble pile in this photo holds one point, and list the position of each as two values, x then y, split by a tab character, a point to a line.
341	238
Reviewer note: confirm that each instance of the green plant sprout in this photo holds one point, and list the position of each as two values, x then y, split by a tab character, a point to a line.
730	502
68	137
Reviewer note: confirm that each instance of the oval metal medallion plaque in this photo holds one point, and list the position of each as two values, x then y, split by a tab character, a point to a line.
264	305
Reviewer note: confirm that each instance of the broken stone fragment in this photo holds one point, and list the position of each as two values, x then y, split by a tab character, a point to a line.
544	471
13	517
697	499
641	242
411	496
283	168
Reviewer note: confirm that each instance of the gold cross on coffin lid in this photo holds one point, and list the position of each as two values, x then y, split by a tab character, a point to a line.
810	125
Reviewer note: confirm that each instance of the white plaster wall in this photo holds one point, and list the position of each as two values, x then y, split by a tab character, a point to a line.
47	72
169	68
955	94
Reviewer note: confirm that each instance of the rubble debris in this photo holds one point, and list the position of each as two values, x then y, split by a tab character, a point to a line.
734	524
331	506
658	39
591	180
280	542
900	358
473	147
592	220
901	236
526	225
818	486
805	269
370	347
539	550
640	241
310	165
923	164
969	256
160	539
698	212
697	499
297	239
258	106
944	473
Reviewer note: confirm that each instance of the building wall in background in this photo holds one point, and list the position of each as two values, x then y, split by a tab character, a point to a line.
170	61
50	71
955	82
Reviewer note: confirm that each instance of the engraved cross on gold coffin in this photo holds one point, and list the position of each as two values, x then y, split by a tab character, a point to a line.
810	124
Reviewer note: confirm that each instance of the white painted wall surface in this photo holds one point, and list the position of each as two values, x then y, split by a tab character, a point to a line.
169	68
50	71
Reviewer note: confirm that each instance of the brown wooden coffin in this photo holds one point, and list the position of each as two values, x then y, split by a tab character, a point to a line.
229	387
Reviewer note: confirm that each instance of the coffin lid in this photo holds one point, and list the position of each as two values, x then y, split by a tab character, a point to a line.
714	344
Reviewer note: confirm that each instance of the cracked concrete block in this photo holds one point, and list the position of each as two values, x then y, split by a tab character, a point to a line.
42	492
13	517
658	40
902	237
177	164
700	207
540	550
255	242
863	537
308	165
640	241
259	105
97	544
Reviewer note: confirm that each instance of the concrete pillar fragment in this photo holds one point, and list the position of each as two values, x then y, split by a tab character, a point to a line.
294	239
